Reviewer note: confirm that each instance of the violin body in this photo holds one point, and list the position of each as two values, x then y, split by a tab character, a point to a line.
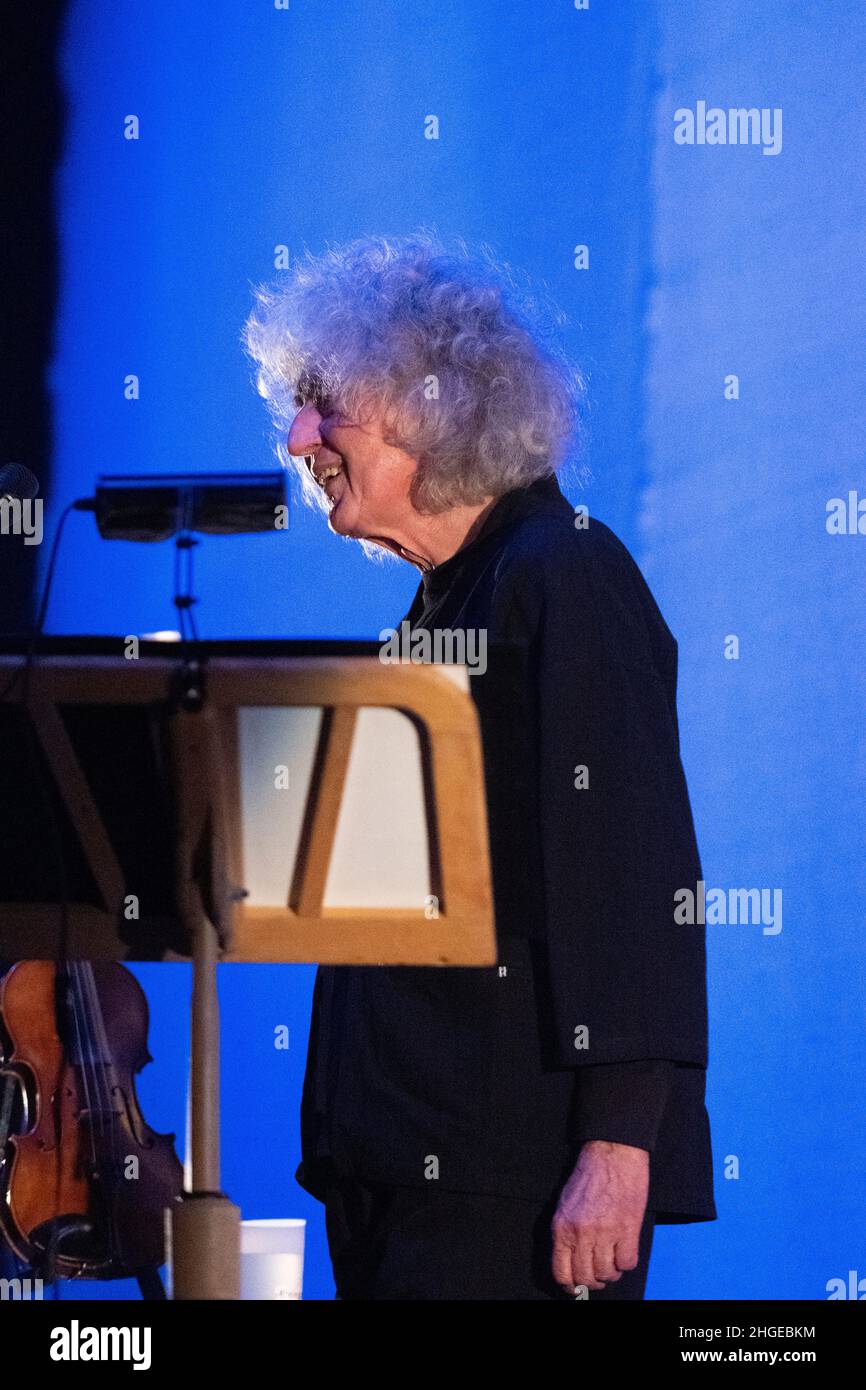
85	1182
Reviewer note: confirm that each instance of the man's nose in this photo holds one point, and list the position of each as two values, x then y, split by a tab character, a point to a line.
304	435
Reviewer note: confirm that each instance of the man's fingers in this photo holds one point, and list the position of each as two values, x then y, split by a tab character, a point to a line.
583	1262
591	1258
561	1264
627	1252
604	1264
573	1261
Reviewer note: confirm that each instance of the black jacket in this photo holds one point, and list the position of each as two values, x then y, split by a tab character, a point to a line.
594	1023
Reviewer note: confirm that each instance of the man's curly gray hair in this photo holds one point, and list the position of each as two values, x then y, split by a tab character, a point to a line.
440	346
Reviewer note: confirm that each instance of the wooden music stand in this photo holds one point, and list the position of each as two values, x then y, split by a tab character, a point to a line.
196	705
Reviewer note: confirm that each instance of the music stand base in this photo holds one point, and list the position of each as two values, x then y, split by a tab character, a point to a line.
205	1245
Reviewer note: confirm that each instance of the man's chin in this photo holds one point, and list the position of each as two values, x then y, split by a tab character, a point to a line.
340	521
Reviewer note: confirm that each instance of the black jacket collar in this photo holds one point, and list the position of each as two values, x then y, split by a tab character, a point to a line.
511	506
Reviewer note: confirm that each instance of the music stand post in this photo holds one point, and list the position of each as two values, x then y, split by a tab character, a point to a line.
203	1232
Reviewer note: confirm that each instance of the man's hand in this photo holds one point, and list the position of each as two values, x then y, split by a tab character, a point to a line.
599	1216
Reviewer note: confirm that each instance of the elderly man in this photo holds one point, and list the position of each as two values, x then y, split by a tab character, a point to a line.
512	1132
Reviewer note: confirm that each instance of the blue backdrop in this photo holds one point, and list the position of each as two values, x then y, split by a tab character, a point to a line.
718	314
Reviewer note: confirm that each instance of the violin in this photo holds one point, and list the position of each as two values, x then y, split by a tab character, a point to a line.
84	1181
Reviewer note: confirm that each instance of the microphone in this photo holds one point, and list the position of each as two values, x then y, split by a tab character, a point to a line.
17	482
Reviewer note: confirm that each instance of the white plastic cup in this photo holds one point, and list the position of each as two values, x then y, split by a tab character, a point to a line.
272	1259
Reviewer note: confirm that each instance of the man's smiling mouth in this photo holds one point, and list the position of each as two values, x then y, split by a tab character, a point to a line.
322	475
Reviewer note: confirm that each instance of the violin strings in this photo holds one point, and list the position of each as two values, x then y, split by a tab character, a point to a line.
81	1048
103	1065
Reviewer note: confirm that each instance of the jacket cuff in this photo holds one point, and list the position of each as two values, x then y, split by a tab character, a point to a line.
623	1102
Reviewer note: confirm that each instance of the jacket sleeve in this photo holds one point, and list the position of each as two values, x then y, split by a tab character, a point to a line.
623	1102
626	982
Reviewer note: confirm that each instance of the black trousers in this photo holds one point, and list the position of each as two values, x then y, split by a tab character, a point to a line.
426	1243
